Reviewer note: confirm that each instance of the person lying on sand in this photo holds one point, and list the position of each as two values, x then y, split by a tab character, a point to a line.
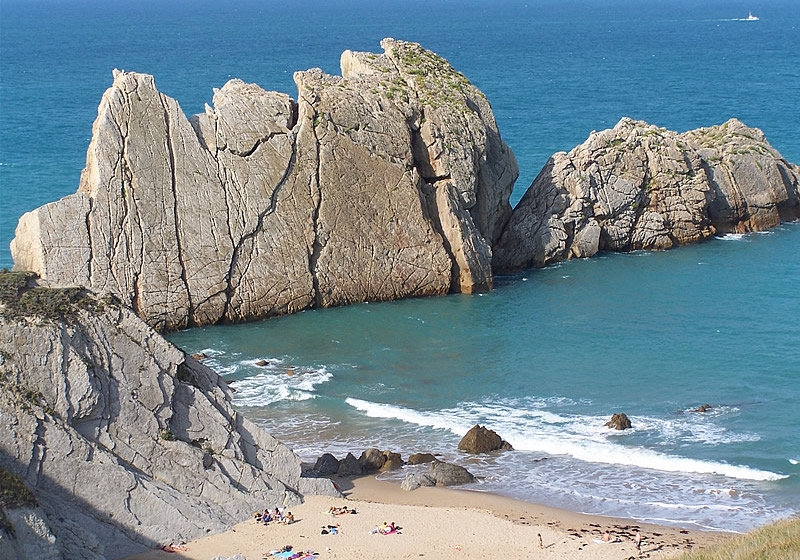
607	538
387	529
341	510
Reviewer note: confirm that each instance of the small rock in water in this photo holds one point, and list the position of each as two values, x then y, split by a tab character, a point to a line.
262	363
619	421
420	458
479	439
200	356
702	408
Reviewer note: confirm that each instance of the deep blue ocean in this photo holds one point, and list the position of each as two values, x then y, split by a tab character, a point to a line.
547	356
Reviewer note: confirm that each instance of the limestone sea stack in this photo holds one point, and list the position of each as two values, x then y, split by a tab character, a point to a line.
125	441
390	181
637	186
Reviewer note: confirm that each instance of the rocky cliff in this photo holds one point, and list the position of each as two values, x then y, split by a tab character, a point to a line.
125	441
387	182
637	186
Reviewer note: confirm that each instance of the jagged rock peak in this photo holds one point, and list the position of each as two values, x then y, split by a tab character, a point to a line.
386	182
638	186
126	442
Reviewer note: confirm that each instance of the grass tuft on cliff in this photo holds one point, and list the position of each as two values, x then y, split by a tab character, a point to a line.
20	297
13	494
777	541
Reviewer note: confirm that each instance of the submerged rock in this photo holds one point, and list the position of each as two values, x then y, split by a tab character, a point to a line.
125	441
702	408
637	186
387	182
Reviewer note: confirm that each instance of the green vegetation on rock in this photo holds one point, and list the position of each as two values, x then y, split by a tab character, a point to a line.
19	298
13	494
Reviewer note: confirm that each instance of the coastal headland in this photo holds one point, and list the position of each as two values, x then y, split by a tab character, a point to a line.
388	182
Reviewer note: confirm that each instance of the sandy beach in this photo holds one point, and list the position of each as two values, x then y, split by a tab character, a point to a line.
440	523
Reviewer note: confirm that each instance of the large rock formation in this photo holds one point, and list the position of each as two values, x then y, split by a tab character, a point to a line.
125	441
638	186
390	181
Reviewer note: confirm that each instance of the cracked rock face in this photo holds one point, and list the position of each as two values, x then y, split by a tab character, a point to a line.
125	441
638	186
391	181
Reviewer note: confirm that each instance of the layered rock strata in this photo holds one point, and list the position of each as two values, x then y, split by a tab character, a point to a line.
387	182
637	186
125	441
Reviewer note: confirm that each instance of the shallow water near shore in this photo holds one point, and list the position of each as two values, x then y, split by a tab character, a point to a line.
545	359
549	354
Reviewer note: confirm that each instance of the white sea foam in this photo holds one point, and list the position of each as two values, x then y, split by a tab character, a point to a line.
274	385
732	237
794	461
580	437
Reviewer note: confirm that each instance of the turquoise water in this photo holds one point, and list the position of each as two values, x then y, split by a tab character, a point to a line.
548	355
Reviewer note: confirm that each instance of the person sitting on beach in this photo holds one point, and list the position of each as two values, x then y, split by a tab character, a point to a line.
276	515
288	518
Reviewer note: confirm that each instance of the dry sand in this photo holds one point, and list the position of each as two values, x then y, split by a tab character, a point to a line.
440	523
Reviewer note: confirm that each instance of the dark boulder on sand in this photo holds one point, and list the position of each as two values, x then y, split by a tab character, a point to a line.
371	460
619	422
393	461
326	465
482	440
349	466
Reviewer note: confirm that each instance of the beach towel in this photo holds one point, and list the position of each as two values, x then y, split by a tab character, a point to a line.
601	541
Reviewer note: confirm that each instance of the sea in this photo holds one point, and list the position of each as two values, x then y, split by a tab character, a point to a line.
547	356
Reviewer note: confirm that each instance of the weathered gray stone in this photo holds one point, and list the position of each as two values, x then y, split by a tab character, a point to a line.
32	539
143	436
448	474
390	181
412	481
638	186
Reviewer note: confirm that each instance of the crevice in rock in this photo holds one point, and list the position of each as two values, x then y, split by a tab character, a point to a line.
176	217
316	247
88	223
238	245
